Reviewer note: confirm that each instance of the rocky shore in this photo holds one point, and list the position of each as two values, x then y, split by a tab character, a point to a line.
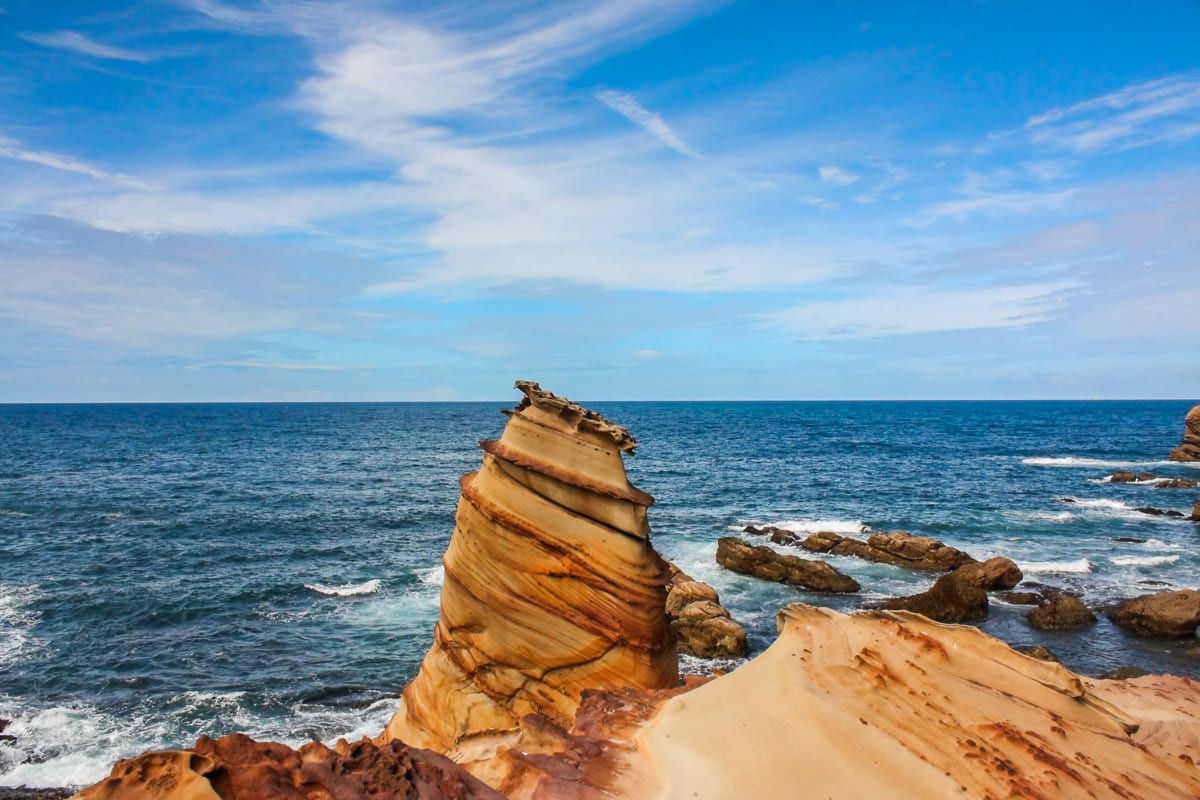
553	670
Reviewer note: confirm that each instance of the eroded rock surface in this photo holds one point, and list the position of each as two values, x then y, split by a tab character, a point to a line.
961	596
888	704
1169	615
763	562
701	625
894	547
236	767
1189	449
551	586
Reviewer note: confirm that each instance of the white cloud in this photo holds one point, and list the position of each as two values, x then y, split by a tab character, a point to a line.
817	202
996	204
78	43
10	148
1141	114
653	123
904	310
836	175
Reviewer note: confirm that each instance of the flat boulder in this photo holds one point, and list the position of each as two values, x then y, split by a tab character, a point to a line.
763	562
1189	448
961	596
1177	483
1171	615
1128	476
893	547
1061	612
1159	512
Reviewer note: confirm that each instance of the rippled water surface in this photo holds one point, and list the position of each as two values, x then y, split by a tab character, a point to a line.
171	570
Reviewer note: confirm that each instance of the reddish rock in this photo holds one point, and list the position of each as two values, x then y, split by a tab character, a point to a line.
765	563
961	596
1170	615
235	767
894	547
701	625
1189	449
1061	612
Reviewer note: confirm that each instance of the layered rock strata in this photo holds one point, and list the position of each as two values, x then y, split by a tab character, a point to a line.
889	704
961	596
236	767
551	586
894	547
1189	448
701	625
763	562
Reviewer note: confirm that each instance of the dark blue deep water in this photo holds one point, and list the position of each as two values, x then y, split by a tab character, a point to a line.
171	570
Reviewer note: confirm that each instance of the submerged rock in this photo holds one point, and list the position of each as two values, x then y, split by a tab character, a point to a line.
1127	476
895	547
701	625
1159	512
551	585
1177	483
1061	612
1124	674
763	562
235	767
1171	615
1189	448
961	596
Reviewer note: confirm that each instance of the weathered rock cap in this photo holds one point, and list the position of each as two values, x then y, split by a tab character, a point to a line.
546	433
763	562
1189	448
1171	615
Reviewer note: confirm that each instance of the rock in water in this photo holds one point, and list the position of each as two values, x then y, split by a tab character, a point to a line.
961	596
551	586
893	547
1171	615
1189	449
702	626
1061	612
763	562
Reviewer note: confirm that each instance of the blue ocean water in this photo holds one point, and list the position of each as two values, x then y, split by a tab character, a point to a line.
172	570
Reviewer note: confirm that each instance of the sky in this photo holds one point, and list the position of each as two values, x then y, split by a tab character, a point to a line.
294	200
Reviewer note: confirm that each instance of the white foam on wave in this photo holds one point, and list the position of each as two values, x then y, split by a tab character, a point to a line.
1082	461
1045	516
432	576
816	525
16	620
1143	561
6	513
1081	565
1101	504
346	590
1109	479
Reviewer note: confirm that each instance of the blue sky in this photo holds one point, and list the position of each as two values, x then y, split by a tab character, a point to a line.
624	199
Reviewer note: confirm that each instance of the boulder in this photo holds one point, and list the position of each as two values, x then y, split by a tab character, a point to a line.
763	562
1189	448
1061	612
701	625
1159	512
961	596
1196	511
1177	483
894	547
1171	615
1127	476
1022	598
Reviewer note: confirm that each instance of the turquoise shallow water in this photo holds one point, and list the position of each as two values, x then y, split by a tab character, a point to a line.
171	570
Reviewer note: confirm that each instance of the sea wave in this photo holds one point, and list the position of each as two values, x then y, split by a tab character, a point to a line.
346	590
16	620
1143	561
1045	516
815	525
1082	461
1081	565
433	576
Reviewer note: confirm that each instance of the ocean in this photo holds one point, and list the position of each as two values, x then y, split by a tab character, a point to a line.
173	570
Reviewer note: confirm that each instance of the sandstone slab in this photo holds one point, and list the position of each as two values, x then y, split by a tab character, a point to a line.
763	562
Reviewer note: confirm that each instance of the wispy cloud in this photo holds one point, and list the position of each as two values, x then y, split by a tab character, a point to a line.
78	43
836	175
652	122
906	310
1141	114
284	365
994	204
10	148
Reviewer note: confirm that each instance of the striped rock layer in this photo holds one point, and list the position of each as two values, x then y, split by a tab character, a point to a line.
551	586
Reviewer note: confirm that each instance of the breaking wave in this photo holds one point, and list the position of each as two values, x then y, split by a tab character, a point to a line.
1081	565
346	590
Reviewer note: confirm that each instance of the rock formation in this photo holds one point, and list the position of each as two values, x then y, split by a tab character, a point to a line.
895	547
236	767
701	625
1170	615
551	586
1196	511
891	705
1177	483
763	562
961	596
1189	449
1060	612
